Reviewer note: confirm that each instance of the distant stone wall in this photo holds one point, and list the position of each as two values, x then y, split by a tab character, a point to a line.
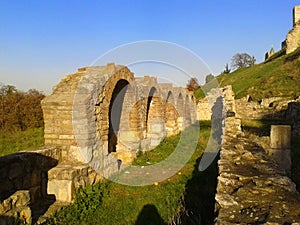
268	108
204	106
293	37
203	109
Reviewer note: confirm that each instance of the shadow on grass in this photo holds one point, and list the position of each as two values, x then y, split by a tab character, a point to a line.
149	216
199	198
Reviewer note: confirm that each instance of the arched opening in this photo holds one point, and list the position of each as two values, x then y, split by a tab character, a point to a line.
115	110
149	105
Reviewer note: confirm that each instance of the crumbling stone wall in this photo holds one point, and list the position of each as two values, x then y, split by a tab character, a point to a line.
252	188
293	37
269	108
23	181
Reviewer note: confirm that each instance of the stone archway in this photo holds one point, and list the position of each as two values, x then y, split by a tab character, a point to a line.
115	111
80	117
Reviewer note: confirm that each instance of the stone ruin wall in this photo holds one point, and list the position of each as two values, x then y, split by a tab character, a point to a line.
275	109
252	184
77	115
292	41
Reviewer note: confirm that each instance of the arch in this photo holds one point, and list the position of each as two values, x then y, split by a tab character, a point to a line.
115	111
81	118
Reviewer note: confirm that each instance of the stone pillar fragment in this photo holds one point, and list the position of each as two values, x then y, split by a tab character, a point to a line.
280	150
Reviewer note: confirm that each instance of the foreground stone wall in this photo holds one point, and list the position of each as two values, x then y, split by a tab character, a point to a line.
252	188
23	180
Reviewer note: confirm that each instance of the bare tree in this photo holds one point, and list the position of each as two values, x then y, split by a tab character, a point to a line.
242	60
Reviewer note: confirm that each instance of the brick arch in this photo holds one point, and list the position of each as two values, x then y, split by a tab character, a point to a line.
101	139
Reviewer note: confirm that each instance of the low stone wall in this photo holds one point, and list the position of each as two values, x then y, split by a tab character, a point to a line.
270	108
23	180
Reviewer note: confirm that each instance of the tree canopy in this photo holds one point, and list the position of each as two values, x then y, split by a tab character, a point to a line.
20	110
193	84
242	60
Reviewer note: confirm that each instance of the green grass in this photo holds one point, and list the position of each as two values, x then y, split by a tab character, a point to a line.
21	140
279	76
113	203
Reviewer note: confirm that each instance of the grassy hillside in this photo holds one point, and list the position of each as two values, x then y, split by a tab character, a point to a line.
279	76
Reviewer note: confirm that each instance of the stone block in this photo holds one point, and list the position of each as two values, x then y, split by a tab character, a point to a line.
281	136
62	189
127	136
74	154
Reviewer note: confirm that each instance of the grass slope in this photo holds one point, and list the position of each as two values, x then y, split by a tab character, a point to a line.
278	76
21	140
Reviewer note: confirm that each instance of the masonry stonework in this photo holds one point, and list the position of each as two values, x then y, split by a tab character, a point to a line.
293	37
253	187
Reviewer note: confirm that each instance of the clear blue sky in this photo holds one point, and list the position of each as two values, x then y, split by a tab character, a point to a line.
41	41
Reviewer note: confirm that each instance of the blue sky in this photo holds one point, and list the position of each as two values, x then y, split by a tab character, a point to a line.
41	41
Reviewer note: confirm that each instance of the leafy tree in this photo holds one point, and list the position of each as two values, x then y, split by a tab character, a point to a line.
20	110
242	60
209	78
193	84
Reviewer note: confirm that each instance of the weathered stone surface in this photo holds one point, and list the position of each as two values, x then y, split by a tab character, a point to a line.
252	188
64	179
98	108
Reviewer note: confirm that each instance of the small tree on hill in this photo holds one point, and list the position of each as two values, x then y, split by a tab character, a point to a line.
242	60
193	84
227	69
